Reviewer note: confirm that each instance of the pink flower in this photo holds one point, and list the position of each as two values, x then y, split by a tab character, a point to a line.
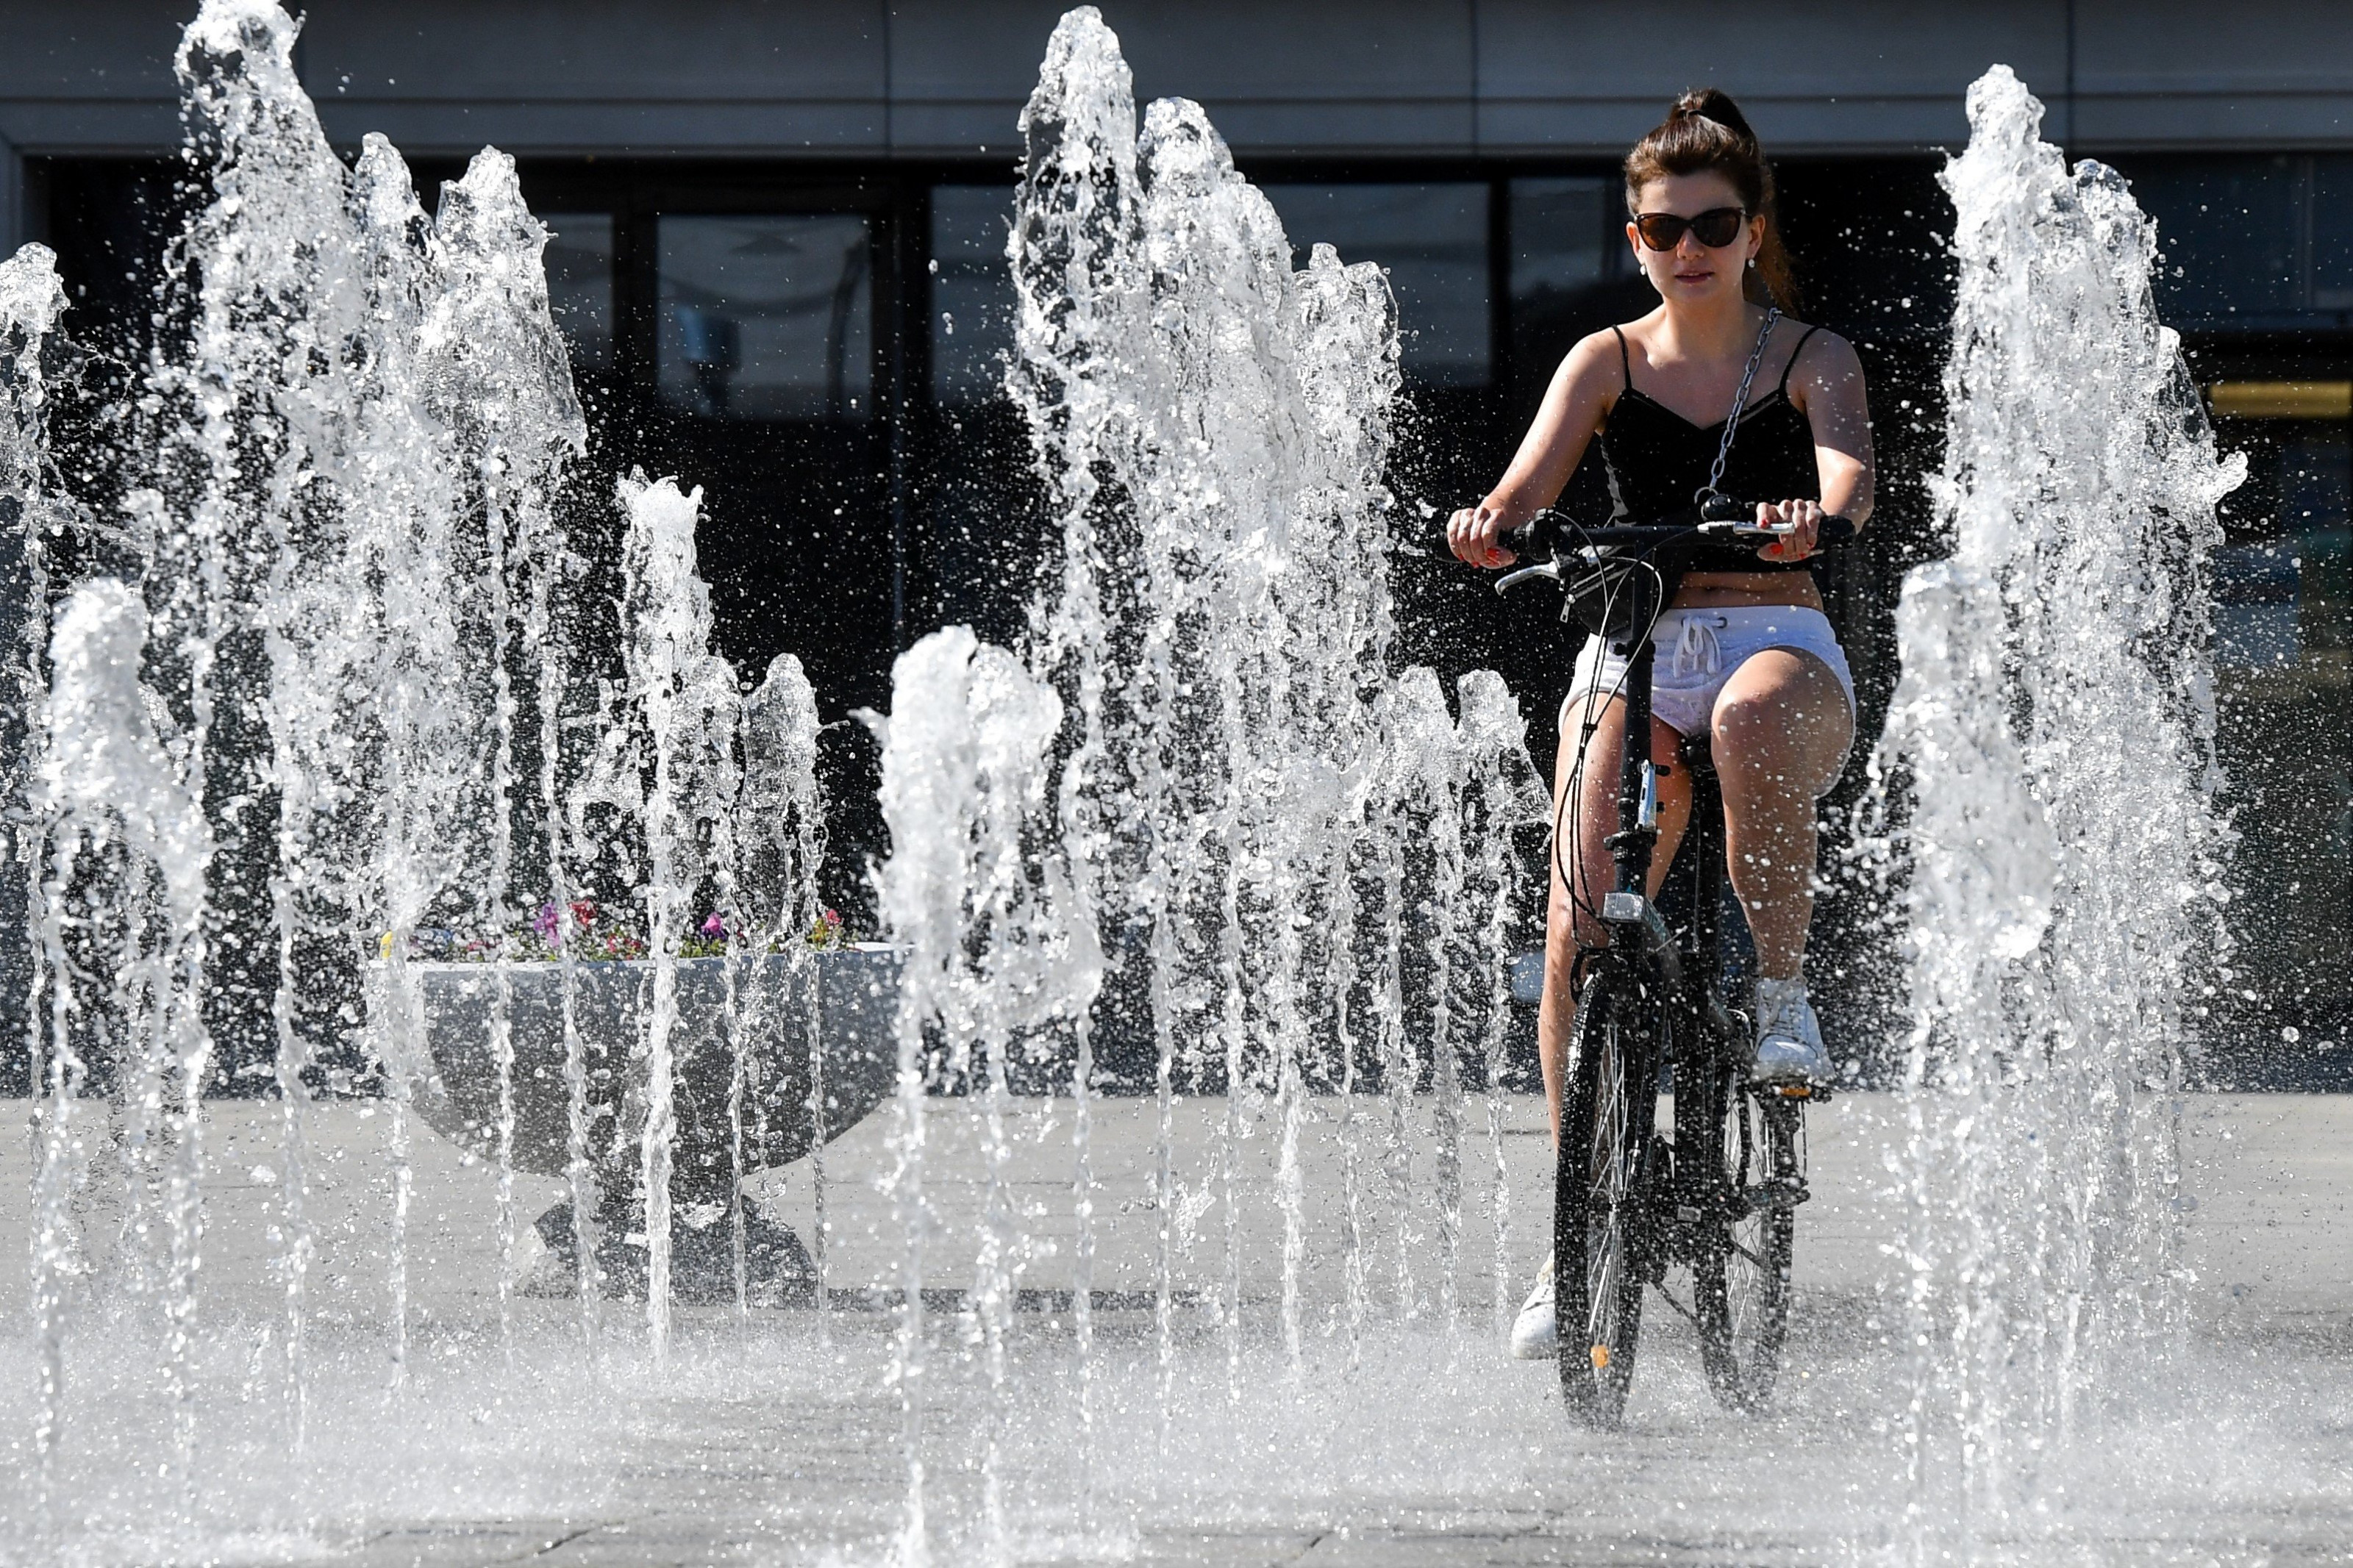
715	928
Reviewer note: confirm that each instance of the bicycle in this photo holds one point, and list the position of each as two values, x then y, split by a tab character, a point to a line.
1719	1194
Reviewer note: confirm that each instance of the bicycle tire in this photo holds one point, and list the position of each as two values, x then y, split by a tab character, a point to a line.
1599	1231
1740	1271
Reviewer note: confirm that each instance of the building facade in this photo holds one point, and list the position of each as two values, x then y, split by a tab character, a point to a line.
778	254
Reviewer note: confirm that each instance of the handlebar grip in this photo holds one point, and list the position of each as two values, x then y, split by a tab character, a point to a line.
1715	505
1539	535
1720	507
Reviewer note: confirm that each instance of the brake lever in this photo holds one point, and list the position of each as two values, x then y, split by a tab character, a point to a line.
1511	580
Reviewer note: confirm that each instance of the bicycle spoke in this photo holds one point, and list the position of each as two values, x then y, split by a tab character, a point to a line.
1740	1272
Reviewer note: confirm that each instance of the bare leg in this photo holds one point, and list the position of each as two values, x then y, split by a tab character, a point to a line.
1781	727
1592	817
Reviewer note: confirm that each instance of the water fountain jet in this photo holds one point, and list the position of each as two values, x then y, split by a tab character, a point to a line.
2055	726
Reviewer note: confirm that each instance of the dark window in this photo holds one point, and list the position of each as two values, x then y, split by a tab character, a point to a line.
1571	273
972	292
985	532
580	284
767	317
2279	593
1432	239
2332	231
1567	236
2317	472
2251	241
2282	604
2227	227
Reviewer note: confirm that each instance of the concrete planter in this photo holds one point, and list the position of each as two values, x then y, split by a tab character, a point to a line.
849	995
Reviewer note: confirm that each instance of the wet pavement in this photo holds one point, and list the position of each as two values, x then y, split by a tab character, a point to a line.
777	1436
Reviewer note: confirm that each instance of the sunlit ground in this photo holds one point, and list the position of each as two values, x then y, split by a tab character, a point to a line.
778	1437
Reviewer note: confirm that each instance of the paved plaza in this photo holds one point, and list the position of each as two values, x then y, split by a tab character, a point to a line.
777	1436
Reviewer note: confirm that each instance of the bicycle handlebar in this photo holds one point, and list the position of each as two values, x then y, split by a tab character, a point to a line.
1721	517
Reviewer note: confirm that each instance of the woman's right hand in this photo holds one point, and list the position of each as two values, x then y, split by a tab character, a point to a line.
1474	534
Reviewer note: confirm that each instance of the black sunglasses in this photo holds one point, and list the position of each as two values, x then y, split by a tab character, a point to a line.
1716	227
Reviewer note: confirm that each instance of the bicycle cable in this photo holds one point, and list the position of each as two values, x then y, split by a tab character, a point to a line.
1596	704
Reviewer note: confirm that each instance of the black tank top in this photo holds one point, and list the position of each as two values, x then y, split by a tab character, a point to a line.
1657	459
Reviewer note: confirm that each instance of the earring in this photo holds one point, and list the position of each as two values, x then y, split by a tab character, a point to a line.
1752	264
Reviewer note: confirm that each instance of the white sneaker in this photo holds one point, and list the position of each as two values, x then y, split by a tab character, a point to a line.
1536	1334
1788	1037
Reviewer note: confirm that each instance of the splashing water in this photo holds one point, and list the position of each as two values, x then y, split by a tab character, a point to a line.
685	698
499	381
236	540
1498	794
779	844
1212	426
2055	723
356	446
421	722
121	902
31	300
345	544
1233	773
1199	807
341	538
998	949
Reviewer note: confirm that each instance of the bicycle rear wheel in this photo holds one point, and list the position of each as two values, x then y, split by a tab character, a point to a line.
1599	1233
1740	1275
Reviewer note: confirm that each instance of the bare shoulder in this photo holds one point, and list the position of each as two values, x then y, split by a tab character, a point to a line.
1826	364
1591	369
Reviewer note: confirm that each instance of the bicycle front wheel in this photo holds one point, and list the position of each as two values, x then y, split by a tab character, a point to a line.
1598	1224
1741	1273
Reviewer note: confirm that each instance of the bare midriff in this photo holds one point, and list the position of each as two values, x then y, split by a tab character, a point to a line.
1747	590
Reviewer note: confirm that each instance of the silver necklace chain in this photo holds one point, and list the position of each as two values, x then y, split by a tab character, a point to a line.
1740	398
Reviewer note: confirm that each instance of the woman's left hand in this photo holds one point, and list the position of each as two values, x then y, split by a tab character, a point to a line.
1803	519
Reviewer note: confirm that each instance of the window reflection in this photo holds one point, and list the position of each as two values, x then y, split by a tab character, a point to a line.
1566	236
579	259
2227	232
2255	610
1571	273
2278	599
1432	239
767	317
2250	240
2332	231
972	292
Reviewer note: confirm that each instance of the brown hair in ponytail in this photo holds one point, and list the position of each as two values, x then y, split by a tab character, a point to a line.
1705	130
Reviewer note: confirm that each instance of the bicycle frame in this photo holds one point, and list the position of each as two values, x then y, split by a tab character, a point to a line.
1639	937
1683	958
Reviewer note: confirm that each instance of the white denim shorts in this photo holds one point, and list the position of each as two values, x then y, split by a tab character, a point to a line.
1698	652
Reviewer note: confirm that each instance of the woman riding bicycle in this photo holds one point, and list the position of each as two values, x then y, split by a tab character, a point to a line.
1744	655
